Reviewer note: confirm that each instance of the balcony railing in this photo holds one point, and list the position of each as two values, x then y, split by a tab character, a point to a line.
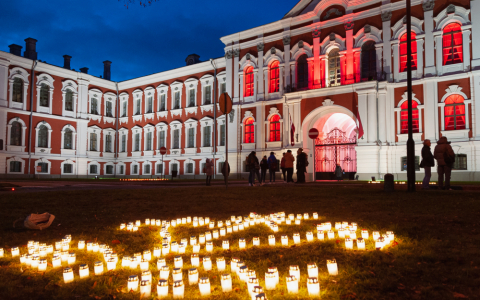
316	84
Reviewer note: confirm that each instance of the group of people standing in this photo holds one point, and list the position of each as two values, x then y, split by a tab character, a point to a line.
445	157
259	168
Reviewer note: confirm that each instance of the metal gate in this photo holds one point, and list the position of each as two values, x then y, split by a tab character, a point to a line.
335	148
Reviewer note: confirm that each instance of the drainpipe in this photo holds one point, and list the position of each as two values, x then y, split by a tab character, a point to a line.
31	117
117	136
214	115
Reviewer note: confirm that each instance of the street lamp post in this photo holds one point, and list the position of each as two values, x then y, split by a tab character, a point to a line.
410	141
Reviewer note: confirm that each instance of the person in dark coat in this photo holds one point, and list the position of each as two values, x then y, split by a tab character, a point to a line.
263	168
427	163
254	168
283	168
226	171
445	157
338	172
272	167
302	163
209	170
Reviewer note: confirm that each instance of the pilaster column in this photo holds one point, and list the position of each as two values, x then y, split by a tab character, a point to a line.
82	106
240	79
236	54
316	58
259	83
430	111
379	50
356	55
286	124
475	13
343	72
229	71
438	52
396	63
420	57
387	49
255	76
382	114
349	70
363	112
281	81
286	53
372	117
429	39
294	74
260	118
323	68
4	64
265	75
466	49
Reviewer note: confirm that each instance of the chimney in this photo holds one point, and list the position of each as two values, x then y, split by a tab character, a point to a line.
30	50
84	70
106	70
15	49
192	59
66	61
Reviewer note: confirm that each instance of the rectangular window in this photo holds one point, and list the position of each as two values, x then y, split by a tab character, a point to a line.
149	105
124	109
67	168
109	110
122	170
137	142
162	102
176	105
161	139
109	170
44	167
159	168
147	169
208	95
135	169
69	100
44	95
404	163
17	90
94	106
108	143
222	135
124	143
175	168
93	141
149	141
191	97
460	162
138	111
190	168
223	87
15	166
206	136
176	139
191	138
93	169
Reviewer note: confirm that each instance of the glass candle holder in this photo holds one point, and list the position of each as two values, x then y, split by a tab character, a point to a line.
145	289
194	260
207	263
271	240
173	223
215	234
209	246
242	273
64	256
158	222
182	248
225	245
226	281
348	243
184	221
178	289
292	284
42	265
132	283
375	235
331	235
68	275
81	245
157	251
220	264
192	276
201	221
147	255
223	232
196	248
341	233
112	264
229	229
288	222
98	268
309	236
242	243
34	261
83	271
313	286
138	223
235	227
162	288
251	283
133	262
390	236
161	262
256	241
296	238
95	247
50	249
332	267
315	216
284	240
147	275
177	274
56	261
208	236
193	240
201	239
189	220
178	261
379	243
270	281
312	270
164	272
233	264
294	270
204	286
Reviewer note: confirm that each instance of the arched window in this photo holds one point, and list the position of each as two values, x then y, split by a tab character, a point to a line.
302	72
452	44
249	131
274	77
403	52
43	137
16	134
17	90
67	139
249	82
44	95
334	67
69	100
454	113
369	61
404	117
275	128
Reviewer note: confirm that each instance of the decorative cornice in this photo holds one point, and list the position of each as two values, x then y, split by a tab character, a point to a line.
236	52
228	55
386	16
428	5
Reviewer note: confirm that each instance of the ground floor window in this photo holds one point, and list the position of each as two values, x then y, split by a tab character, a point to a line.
44	167
160	168
190	168
404	163
175	168
15	166
93	169
122	170
135	169
147	169
109	170
67	168
460	162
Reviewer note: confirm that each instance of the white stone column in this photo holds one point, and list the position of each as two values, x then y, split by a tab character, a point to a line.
255	84
429	42
293	74
420	58
362	109
82	137
475	13
387	49
430	111
396	63
281	81
236	53
382	114
379	50
240	79
4	64
82	103
260	127
372	117
298	123
439	53
466	49
286	53
229	71
259	83
286	125
3	132
265	76
476	107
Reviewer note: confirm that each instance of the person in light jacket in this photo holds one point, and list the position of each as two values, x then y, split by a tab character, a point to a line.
427	163
289	159
445	157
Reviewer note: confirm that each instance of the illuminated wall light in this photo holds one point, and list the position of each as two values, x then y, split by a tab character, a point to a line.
178	289
348	244
178	261
284	240
204	286
332	267
331	235
221	264
192	276
271	240
56	261
242	243
112	264
225	245
164	272
292	285
177	274
83	271
312	270
313	286
365	234
161	262
133	283
209	246
226	281
194	260
256	241
360	244
68	275
296	238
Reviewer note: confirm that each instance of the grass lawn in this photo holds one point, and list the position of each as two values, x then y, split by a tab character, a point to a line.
436	255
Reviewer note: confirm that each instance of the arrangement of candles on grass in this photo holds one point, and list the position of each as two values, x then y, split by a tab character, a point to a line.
173	262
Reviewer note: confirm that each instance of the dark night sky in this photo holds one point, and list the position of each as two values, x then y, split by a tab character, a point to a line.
139	41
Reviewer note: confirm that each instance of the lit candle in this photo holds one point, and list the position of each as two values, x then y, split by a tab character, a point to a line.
225	245
162	288
161	262
157	251
235	227
177	274
275	228
284	240
312	270
331	235
208	236
89	246
271	240
207	220
256	241
360	244
292	284
327	226
353	234
391	236
270	281
211	225
68	275
34	261
195	261
84	271
133	262
50	249
158	222
297	222
147	221
295	271
216	235
23	257
42	251
341	233
332	267
147	255
220	264
209	246
133	283
98	268
182	247
192	276
112	264
95	247
145	289
315	216
242	273
201	238
42	265
165	249
122	226
288	222
204	286
291	217
178	262
196	248
138	223
274	270
64	255
207	263
229	229
354	226
193	240
251	283
313	286
241	243
81	244
348	243
184	220
379	243
56	261
364	233
15	251
179	221
220	224
164	272
376	235
178	289
233	264
130	226
296	238
201	221
147	275
226	281
173	223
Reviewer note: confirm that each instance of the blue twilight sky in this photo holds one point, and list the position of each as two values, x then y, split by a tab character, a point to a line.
139	41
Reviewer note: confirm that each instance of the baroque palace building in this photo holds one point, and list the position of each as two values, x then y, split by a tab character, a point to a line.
335	65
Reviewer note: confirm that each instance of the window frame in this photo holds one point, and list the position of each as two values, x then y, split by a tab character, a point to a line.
451	34
334	54
274	77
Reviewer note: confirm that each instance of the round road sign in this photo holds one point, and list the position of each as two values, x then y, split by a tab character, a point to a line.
163	151
225	103
313	133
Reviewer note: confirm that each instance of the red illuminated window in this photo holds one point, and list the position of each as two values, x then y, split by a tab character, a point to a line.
454	112
452	44
248	82
249	131
274	77
403	52
404	117
275	128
